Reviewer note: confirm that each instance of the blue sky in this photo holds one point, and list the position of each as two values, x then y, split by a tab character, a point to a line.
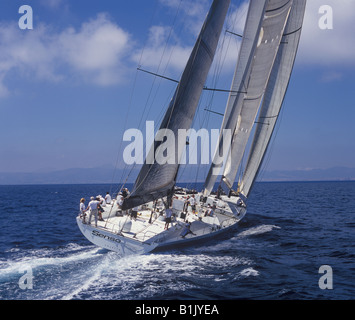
69	87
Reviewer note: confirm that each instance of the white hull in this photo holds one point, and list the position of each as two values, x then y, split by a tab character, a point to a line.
126	236
112	241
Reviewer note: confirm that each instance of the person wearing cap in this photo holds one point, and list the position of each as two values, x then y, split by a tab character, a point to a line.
93	206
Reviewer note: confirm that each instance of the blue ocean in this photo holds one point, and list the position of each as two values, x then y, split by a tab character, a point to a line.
293	237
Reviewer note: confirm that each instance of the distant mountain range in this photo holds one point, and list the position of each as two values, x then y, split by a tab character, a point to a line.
109	175
331	174
68	176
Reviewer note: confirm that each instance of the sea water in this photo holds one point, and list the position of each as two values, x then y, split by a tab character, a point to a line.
290	231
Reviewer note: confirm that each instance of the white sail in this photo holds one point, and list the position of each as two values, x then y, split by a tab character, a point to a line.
250	39
158	180
243	112
274	95
271	31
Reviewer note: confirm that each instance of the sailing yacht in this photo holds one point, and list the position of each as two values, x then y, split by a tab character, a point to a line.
263	70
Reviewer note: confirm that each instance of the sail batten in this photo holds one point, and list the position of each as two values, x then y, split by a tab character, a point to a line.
157	180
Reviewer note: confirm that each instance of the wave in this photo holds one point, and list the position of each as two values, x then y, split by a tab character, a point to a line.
257	230
80	272
249	272
42	258
87	272
154	275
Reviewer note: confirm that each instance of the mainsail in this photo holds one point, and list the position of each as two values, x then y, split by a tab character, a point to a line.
158	180
252	85
274	95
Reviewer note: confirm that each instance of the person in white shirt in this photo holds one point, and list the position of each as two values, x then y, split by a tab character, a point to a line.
119	204
108	198
120	201
193	203
102	200
93	206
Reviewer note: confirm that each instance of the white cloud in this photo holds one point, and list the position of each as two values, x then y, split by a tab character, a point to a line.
99	51
162	53
92	54
96	50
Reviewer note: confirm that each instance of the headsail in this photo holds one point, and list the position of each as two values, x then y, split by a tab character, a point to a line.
157	180
254	81
250	39
274	95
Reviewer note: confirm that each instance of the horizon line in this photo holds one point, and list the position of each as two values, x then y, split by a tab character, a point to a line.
186	182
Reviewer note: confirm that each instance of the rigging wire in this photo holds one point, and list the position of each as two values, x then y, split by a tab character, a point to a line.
159	66
219	66
124	172
172	104
130	104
